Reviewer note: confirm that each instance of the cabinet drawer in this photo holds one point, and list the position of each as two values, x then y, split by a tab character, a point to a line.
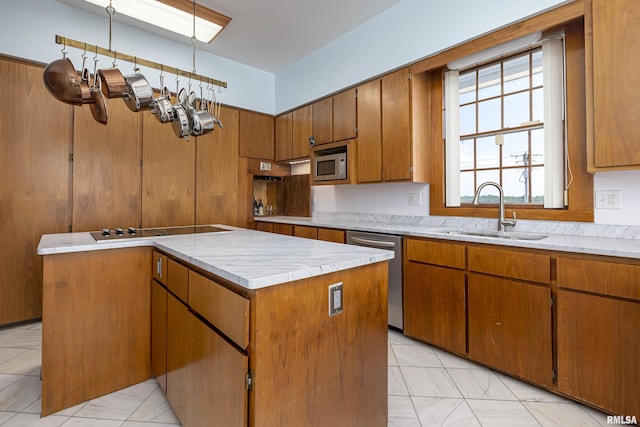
331	235
436	252
620	280
178	279
305	231
226	310
159	267
283	229
509	263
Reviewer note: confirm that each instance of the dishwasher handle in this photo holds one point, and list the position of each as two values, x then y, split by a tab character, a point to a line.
373	243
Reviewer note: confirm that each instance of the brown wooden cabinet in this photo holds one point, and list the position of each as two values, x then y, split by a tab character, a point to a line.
510	319
178	342
323	121
393	128
95	319
510	327
217	171
159	334
434	293
257	135
305	231
35	194
331	235
344	115
106	169
293	130
168	184
369	155
613	110
598	313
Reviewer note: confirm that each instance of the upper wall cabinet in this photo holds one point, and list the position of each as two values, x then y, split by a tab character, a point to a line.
344	115
323	121
256	135
293	131
334	118
393	120
613	139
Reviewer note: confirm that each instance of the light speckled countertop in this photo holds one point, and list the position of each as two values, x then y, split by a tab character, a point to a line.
586	238
249	258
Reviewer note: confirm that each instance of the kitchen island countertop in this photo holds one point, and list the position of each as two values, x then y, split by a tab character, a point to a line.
249	258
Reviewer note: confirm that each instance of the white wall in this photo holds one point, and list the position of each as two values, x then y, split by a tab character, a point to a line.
390	198
29	27
628	182
404	33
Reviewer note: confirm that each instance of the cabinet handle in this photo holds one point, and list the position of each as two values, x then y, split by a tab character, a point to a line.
159	267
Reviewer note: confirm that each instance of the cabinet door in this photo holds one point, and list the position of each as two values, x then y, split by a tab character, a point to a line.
217	373
434	306
284	137
331	235
106	168
159	334
396	127
302	129
598	345
510	327
616	90
283	229
305	231
34	184
217	173
369	153
323	121
256	135
178	342
168	185
344	115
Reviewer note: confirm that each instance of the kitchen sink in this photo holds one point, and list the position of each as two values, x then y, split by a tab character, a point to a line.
499	234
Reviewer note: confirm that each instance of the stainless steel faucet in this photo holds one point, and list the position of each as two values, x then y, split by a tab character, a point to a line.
501	220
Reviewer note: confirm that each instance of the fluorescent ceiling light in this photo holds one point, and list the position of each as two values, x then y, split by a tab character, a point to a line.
172	15
495	52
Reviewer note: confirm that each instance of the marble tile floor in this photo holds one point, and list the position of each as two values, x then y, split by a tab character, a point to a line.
427	387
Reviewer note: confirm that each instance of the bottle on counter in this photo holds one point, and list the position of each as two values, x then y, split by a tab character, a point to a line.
260	208
255	206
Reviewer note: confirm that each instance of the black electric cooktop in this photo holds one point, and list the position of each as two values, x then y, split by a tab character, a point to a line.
131	232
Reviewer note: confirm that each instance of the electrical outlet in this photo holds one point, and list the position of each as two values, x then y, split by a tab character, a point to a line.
335	299
415	199
608	199
265	166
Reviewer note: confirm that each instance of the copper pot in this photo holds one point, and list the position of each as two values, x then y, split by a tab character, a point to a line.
113	83
98	107
61	80
85	89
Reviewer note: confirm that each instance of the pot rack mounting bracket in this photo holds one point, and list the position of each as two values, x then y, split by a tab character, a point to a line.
139	61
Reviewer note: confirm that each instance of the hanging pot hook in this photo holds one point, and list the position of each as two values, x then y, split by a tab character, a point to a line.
115	59
64	48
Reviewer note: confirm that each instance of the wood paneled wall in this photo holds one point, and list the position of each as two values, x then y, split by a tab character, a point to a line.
35	138
61	170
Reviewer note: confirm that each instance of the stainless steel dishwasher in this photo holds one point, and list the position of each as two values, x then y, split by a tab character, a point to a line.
393	243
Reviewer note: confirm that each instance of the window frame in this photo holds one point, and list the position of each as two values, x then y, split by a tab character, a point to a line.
570	18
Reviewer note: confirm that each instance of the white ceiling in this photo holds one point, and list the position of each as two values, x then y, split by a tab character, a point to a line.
273	34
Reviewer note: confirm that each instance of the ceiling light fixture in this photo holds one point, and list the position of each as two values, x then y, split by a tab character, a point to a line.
172	15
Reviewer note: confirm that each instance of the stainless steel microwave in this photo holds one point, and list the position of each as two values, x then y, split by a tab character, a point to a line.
330	167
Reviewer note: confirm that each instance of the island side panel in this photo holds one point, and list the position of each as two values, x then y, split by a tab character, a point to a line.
311	369
95	324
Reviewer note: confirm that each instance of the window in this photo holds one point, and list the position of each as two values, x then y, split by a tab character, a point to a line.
505	124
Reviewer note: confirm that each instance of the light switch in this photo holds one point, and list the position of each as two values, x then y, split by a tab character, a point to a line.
335	299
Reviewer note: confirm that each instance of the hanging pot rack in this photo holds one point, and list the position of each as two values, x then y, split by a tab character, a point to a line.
137	60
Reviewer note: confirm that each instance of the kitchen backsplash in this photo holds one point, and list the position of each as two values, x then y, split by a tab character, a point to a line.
397	198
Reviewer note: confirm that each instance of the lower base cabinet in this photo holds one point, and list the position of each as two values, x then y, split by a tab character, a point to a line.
273	356
439	318
598	346
510	327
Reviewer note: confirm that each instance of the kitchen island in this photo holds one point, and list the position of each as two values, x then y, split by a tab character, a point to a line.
243	332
